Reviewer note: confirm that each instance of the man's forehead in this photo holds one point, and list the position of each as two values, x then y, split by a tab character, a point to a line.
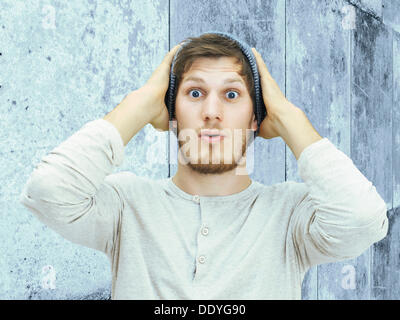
202	67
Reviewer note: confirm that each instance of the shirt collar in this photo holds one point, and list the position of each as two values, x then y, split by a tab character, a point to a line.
250	190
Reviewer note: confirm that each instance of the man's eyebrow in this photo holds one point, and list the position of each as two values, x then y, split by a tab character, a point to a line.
230	80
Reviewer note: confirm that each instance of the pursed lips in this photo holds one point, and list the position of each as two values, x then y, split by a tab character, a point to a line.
210	133
211	136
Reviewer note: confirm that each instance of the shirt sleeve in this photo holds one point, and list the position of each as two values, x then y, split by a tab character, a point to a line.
72	191
340	214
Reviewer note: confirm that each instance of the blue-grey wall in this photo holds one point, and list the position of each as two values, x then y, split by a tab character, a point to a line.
64	63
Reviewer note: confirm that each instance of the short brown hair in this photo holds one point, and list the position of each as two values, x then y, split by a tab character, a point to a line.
212	45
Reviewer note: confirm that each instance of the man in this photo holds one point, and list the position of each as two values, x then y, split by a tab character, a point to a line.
207	232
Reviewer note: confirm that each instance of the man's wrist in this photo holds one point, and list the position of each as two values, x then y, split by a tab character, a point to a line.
296	130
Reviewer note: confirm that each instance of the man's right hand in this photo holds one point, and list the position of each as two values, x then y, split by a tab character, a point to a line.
156	88
145	105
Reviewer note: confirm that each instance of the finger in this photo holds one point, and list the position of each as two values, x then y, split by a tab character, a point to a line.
170	55
262	67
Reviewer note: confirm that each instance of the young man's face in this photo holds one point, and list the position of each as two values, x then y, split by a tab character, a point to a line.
221	107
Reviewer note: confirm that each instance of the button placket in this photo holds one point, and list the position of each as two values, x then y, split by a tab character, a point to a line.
202	258
203	243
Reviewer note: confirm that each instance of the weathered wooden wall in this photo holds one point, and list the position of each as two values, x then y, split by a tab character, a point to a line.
64	64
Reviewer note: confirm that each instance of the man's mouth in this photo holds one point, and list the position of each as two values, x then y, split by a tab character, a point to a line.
212	139
211	135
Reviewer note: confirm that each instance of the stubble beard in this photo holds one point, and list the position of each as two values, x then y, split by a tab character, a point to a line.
214	168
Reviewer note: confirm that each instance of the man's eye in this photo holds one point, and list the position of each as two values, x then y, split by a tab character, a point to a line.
194	91
231	94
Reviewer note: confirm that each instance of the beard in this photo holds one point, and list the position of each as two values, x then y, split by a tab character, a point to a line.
207	166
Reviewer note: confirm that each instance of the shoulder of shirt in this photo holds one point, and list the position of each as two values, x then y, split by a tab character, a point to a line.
122	177
130	182
291	191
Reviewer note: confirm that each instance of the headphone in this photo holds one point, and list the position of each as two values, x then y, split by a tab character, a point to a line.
260	110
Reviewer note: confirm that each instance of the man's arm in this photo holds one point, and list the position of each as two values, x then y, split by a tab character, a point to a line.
340	214
146	105
72	189
283	119
295	129
133	113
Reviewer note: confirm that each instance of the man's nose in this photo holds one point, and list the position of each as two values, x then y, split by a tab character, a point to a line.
212	108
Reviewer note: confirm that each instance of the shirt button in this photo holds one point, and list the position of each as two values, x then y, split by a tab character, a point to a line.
204	231
202	259
196	198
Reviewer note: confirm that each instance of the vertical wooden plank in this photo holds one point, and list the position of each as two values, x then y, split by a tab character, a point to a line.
370	87
371	90
317	82
261	25
371	69
372	102
396	119
386	257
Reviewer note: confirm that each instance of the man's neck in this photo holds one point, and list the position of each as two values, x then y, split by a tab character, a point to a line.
223	184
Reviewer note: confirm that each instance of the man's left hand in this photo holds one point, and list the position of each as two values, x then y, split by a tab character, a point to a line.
283	118
275	101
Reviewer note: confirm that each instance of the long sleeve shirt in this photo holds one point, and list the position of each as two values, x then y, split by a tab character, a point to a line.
164	243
